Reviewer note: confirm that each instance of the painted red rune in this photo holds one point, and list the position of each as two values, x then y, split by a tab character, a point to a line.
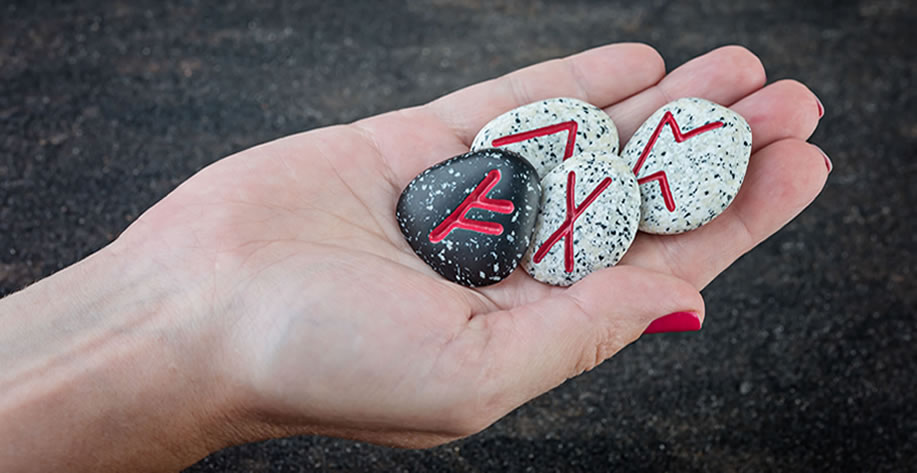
476	200
566	229
663	186
569	127
667	119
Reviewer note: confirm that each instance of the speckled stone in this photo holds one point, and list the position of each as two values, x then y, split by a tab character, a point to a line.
603	230
540	132
490	197
703	171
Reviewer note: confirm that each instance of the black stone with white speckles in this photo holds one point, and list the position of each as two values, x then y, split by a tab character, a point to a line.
471	218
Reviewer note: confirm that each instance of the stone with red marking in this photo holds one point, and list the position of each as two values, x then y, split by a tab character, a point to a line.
690	158
470	218
589	228
548	131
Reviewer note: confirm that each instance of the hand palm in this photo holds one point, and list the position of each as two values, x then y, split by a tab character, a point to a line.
336	324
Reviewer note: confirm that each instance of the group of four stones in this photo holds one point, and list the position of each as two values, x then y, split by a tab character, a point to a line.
544	185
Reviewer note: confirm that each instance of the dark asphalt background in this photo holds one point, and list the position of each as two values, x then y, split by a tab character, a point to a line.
807	359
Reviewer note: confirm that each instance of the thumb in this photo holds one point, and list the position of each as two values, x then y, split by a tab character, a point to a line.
533	348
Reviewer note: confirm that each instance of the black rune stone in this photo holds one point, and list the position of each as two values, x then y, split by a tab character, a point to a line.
471	217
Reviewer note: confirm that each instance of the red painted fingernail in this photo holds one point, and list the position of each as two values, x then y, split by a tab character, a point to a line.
821	108
675	322
827	159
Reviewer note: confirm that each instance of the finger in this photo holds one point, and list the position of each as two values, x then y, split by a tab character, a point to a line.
723	75
784	109
523	352
599	76
782	180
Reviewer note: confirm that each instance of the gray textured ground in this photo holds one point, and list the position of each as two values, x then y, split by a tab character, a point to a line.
807	358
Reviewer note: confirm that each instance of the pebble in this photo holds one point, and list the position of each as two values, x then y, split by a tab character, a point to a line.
690	158
471	218
549	131
605	213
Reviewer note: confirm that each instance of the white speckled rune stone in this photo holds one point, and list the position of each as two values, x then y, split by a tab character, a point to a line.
590	210
690	159
549	131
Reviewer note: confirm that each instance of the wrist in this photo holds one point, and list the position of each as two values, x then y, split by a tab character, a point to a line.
115	361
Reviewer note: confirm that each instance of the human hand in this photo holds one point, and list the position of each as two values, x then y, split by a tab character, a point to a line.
332	325
300	295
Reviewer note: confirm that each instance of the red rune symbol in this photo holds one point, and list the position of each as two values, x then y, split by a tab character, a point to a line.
569	126
566	229
668	119
477	199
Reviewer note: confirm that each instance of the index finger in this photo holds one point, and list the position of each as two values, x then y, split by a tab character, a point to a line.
600	76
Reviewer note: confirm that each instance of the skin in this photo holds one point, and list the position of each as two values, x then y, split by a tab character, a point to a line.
272	294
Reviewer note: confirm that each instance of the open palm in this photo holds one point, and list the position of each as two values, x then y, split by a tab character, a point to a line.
326	321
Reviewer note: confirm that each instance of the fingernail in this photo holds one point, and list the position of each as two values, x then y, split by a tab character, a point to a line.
675	322
827	159
821	108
